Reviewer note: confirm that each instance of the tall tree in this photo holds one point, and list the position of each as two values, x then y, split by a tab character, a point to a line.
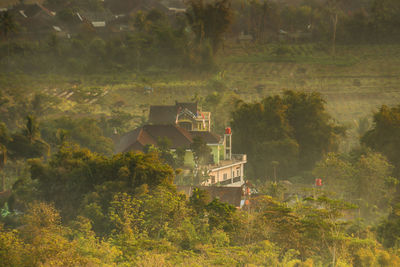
209	20
334	8
292	129
312	126
384	137
386	18
201	155
7	26
28	143
4	138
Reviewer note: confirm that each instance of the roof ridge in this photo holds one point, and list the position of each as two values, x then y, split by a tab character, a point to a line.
141	133
185	133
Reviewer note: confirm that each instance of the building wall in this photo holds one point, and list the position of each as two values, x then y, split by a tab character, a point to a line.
189	159
215	151
226	176
222	152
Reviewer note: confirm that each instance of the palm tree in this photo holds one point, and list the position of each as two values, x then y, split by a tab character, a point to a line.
31	130
7	26
4	138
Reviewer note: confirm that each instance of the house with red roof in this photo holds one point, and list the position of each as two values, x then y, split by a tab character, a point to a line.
181	124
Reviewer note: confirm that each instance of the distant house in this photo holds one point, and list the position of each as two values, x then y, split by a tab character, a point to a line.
34	19
181	123
98	20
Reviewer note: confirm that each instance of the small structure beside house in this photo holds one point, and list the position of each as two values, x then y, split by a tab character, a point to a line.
181	123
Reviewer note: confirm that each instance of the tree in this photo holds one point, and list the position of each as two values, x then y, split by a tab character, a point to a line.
386	18
86	132
73	175
209	20
4	138
324	226
201	155
28	143
294	130
364	179
31	130
7	26
3	161
384	137
333	10
312	126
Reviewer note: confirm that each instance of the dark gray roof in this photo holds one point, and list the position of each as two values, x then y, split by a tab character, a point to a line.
167	114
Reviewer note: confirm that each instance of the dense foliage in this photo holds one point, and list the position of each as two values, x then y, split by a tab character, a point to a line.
293	130
67	200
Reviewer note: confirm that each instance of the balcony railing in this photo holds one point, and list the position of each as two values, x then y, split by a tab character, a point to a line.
239	157
230	181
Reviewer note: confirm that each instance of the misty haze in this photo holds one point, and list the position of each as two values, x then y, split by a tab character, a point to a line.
200	133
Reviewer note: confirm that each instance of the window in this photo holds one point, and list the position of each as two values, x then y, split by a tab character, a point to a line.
212	179
238	172
225	176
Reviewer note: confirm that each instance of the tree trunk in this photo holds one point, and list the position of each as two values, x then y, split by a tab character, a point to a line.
3	181
335	21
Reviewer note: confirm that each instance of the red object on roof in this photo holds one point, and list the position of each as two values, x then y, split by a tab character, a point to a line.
318	182
228	130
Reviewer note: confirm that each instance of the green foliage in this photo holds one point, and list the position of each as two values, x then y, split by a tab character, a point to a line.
365	180
221	215
294	130
13	252
199	200
28	143
85	132
7	24
384	136
73	172
209	20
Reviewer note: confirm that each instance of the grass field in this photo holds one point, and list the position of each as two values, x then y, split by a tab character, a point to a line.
354	83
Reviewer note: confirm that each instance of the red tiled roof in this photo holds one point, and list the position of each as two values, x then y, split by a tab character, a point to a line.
150	134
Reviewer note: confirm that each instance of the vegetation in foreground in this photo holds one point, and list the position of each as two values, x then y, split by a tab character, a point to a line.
72	206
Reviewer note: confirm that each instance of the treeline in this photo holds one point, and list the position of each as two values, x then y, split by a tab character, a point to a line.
191	40
81	208
155	43
370	21
73	207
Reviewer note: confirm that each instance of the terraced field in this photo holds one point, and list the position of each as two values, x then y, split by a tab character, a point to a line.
354	84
